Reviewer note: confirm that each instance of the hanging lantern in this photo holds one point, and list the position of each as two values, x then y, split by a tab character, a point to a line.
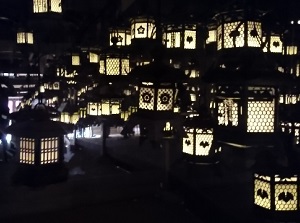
114	63
180	36
24	37
198	145
44	6
235	30
107	106
119	36
143	27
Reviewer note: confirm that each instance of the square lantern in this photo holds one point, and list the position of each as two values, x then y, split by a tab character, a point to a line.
180	36
114	64
143	27
198	144
24	37
157	96
44	6
277	195
236	31
249	111
104	107
119	36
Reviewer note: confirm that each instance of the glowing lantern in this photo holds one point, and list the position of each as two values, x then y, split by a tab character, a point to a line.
41	146
120	36
274	44
106	106
142	27
180	36
75	60
43	6
114	63
24	37
235	30
198	145
276	189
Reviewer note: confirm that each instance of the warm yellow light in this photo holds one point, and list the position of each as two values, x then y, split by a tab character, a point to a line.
275	44
49	150
42	6
123	37
146	98
143	28
228	110
261	116
94	58
25	37
204	139
212	36
27	150
75	60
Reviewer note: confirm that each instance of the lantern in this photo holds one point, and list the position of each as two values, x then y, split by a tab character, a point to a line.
41	146
236	30
105	106
198	145
143	27
276	195
119	36
180	36
114	63
44	6
24	37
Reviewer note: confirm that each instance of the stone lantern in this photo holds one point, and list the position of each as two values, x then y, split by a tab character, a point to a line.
41	147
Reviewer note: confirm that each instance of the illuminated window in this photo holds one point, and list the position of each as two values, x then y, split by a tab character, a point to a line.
25	37
190	39
291	50
212	36
105	107
27	150
261	115
274	46
49	150
143	28
204	139
146	99
262	192
165	99
42	6
172	39
75	60
228	113
94	58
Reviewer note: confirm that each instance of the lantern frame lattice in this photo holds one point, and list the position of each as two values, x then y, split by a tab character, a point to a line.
198	144
248	111
276	196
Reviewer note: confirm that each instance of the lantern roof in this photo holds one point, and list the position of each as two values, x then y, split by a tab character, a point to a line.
27	113
157	72
34	128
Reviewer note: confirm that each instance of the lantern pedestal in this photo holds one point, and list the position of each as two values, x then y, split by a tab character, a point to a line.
40	175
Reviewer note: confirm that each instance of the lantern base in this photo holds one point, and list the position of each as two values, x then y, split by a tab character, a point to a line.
40	175
276	216
201	160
